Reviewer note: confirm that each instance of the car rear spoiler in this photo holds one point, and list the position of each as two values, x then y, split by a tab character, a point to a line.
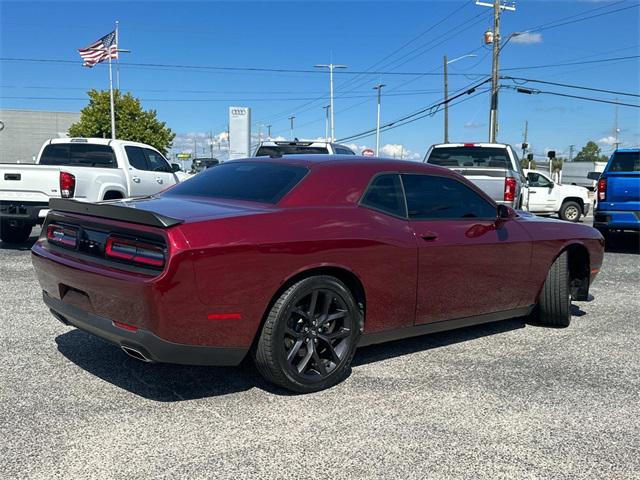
114	212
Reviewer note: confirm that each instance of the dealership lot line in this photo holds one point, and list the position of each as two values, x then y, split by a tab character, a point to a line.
504	400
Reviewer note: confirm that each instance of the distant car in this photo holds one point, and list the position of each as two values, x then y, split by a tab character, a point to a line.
618	193
201	164
301	259
87	169
270	149
570	202
493	167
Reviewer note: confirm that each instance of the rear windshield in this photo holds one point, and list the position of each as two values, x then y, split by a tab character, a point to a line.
268	151
470	157
78	155
252	181
625	162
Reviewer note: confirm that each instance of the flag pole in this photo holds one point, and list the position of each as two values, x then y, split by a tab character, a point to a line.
117	58
113	118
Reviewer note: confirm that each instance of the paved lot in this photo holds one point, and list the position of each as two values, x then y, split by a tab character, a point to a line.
505	400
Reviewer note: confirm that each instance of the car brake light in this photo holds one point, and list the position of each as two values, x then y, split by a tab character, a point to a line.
62	235
509	189
134	251
469	144
602	189
67	184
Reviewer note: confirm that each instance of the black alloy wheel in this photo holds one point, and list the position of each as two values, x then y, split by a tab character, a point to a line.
310	335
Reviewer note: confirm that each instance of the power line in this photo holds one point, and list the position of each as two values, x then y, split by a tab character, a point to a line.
567	85
555	24
549	65
532	91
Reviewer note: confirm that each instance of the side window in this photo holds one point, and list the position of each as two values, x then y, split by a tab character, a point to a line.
385	194
157	163
343	151
92	155
55	154
433	197
537	180
136	158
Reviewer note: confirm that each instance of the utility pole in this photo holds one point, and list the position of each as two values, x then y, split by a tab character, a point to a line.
493	114
291	118
269	132
525	144
495	68
331	67
446	102
211	143
571	147
195	149
616	130
378	87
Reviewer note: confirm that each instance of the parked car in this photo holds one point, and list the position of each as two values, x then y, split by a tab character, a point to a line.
577	173
87	169
618	193
270	148
547	197
298	260
494	167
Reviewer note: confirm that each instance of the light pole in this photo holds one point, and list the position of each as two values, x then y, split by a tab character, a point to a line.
331	67
378	87
291	118
446	93
269	132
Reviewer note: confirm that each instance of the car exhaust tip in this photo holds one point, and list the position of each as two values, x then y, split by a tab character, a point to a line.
137	354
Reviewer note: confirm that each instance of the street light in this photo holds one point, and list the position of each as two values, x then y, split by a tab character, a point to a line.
378	87
446	93
326	122
291	118
331	67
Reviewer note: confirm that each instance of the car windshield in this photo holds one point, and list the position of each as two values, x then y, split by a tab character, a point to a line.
277	150
625	162
250	181
78	155
470	157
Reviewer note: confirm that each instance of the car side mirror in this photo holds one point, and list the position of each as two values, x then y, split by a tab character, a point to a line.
505	213
551	186
175	167
593	175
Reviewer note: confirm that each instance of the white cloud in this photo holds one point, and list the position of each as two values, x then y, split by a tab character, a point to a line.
609	140
527	38
399	151
474	124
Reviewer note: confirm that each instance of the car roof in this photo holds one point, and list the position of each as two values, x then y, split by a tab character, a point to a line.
471	144
97	141
627	150
350	161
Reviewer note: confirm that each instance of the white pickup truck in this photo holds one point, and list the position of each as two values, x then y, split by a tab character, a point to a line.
86	169
547	197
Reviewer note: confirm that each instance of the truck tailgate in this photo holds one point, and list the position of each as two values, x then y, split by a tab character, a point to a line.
623	189
490	181
28	183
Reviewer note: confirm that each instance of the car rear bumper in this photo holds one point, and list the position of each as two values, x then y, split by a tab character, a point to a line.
141	343
616	219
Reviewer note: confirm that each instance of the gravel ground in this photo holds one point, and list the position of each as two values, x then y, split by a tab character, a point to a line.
504	400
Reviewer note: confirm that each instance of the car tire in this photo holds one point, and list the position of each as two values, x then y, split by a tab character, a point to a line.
554	306
570	211
14	233
310	335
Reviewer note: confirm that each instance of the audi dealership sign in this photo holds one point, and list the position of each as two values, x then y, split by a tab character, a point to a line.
239	132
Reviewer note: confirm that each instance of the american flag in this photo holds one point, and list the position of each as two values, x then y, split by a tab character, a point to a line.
99	51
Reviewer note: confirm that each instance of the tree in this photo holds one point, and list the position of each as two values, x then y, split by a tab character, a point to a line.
132	122
590	153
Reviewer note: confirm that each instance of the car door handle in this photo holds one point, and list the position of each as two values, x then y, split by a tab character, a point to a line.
159	180
429	236
136	179
531	192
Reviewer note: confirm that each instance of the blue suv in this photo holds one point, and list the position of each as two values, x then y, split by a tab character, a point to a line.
618	193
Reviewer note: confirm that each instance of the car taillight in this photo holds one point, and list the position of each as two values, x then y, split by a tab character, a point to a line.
135	251
67	185
62	235
509	189
602	189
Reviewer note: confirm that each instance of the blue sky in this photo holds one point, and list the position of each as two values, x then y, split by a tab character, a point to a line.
297	35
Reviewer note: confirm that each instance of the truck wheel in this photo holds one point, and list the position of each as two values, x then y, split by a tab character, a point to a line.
14	233
310	335
570	211
554	306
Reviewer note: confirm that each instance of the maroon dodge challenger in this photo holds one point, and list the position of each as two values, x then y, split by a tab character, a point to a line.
299	260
